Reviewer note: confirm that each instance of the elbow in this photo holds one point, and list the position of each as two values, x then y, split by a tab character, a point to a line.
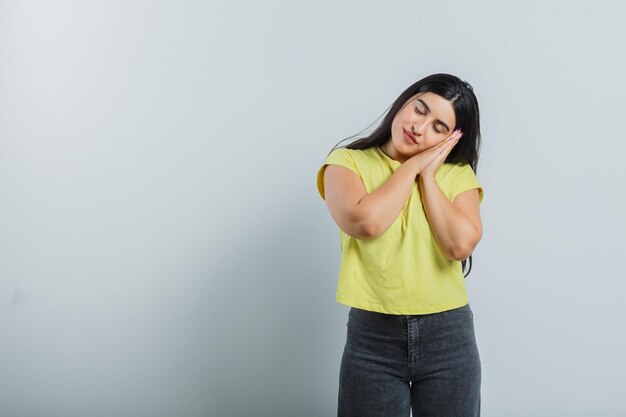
460	253
360	228
463	251
370	228
370	231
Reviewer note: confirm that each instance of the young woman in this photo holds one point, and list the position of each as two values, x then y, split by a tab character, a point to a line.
406	200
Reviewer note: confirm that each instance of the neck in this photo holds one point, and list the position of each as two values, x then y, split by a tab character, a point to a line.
391	154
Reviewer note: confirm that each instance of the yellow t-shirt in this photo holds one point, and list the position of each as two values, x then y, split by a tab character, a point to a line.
403	271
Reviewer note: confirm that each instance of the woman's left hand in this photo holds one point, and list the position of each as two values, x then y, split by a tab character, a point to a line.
434	165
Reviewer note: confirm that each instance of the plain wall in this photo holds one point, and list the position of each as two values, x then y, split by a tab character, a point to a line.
163	248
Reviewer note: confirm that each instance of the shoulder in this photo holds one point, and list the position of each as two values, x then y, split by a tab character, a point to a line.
354	153
339	156
454	170
358	161
455	178
457	166
352	157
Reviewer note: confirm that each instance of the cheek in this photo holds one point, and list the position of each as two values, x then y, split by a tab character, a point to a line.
396	129
394	125
429	137
434	140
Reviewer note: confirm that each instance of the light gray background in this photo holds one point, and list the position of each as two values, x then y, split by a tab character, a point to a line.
163	248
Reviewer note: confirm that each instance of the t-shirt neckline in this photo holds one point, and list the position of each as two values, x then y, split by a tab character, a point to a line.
387	157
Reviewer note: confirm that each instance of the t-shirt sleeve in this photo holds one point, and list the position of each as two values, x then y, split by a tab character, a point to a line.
466	180
341	157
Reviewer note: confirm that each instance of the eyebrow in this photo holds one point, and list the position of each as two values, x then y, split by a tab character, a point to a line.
428	111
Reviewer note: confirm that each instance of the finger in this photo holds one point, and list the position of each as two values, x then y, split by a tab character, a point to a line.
453	143
452	138
449	145
456	135
445	142
453	134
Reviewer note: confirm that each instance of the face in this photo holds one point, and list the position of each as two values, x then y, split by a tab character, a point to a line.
428	117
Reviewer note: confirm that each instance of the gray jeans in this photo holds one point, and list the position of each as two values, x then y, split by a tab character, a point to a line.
394	363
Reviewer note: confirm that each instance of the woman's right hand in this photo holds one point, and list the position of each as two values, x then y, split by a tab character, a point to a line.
425	157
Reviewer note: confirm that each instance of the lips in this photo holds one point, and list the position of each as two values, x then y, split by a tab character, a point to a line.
410	136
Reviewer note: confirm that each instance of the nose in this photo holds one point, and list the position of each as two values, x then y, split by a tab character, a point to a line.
419	126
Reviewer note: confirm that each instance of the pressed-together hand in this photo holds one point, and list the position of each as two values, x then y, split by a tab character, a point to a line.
431	159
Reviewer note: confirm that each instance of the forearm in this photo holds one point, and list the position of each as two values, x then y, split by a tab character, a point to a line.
382	206
451	228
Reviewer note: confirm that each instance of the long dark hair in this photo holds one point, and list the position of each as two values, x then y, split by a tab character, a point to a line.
461	95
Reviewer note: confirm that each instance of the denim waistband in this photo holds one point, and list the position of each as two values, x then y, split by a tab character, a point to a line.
392	320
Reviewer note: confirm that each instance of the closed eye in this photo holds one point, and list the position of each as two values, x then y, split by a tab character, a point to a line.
419	112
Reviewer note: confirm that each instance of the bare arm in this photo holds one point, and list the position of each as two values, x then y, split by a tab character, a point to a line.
367	216
343	191
456	225
382	206
363	215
